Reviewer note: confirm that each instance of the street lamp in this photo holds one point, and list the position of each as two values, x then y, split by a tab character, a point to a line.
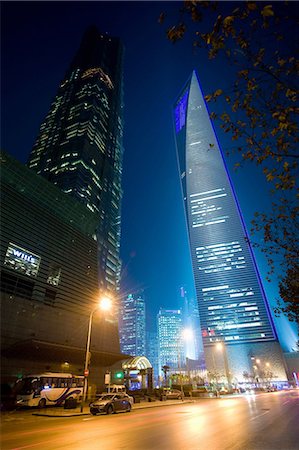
105	304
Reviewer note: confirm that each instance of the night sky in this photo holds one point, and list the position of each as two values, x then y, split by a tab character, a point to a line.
39	40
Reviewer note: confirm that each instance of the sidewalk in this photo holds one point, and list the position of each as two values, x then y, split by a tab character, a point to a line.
61	412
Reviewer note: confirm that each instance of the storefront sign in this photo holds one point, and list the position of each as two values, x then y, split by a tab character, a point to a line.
22	260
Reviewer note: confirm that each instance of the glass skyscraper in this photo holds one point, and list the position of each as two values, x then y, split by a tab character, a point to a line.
232	305
170	342
132	325
79	145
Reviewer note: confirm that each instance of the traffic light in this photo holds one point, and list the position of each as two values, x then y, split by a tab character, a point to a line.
118	375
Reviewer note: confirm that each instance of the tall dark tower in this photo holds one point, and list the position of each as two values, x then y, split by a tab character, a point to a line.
232	304
79	146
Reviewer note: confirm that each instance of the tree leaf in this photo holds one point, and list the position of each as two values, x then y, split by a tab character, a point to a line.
267	11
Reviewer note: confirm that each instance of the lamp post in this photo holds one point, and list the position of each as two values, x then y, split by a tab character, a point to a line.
105	305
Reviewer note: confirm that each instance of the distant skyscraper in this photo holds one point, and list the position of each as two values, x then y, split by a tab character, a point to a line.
132	325
170	344
79	146
232	304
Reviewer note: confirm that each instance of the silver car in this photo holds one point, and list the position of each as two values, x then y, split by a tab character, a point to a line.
173	394
110	404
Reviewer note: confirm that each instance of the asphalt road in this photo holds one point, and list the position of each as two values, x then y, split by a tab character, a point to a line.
264	422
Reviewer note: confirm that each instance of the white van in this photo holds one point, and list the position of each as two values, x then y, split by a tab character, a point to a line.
119	389
116	388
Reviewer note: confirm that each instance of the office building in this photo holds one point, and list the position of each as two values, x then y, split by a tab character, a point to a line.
49	281
132	325
79	145
232	305
170	342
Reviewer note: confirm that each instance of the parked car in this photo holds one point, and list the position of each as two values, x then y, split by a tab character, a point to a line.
173	394
130	398
111	403
124	394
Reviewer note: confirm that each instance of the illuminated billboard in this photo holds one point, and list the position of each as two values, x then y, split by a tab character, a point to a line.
22	260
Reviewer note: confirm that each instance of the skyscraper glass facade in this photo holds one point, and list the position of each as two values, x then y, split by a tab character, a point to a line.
170	342
132	325
79	145
231	300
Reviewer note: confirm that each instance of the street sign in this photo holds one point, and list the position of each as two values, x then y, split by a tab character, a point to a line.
107	378
86	372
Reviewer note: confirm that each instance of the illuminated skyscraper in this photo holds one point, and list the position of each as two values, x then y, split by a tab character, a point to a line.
132	325
170	344
79	146
232	305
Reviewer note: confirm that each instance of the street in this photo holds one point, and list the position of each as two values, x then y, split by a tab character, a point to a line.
263	422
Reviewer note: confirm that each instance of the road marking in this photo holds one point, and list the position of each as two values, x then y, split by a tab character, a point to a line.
260	415
89	418
287	401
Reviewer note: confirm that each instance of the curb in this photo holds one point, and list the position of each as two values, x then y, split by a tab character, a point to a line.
59	414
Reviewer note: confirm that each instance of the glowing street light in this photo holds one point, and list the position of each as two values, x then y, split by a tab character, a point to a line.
105	304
